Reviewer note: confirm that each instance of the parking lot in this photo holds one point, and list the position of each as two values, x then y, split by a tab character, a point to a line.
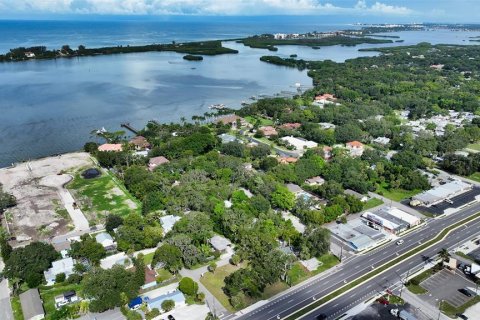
444	285
457	202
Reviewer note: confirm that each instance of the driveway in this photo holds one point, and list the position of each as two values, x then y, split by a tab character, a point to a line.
114	314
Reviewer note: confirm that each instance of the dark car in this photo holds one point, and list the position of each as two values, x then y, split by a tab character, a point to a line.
465	292
462	316
170	317
322	316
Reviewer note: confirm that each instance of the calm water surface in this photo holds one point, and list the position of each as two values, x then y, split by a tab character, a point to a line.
49	107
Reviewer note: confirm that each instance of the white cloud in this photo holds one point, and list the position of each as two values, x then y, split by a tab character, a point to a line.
206	7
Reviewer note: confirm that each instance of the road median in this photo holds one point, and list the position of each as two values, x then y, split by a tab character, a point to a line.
344	289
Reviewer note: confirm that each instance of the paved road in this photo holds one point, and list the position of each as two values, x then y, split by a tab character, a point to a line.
362	264
6	312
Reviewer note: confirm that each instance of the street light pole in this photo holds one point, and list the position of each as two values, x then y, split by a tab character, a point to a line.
439	309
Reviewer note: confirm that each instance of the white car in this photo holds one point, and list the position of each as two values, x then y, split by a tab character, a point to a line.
399	242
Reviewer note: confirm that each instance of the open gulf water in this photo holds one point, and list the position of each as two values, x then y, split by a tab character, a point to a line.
49	107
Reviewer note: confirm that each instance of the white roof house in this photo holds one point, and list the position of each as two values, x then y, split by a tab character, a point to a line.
168	222
60	266
382	141
105	240
315	181
299	143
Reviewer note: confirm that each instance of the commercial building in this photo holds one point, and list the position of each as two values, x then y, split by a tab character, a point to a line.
357	235
390	220
441	193
32	306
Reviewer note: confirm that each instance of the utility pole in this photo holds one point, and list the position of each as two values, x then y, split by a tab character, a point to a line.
439	309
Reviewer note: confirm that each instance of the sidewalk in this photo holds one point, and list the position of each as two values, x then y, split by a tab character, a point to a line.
6	312
426	308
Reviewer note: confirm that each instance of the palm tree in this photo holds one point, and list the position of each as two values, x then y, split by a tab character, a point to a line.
444	254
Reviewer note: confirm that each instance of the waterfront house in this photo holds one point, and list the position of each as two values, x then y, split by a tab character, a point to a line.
110	147
156	161
106	240
32	305
268	131
231	120
140	143
29	54
60	266
355	148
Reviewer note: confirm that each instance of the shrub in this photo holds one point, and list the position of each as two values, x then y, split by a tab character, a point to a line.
188	286
168	305
59	278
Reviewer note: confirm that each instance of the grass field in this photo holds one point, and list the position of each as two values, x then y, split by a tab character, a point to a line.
475	176
474	146
102	195
214	282
395	194
414	283
327	261
17	308
148	258
263	121
48	295
451	311
372	203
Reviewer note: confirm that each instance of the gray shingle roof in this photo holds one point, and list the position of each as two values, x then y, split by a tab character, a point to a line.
31	304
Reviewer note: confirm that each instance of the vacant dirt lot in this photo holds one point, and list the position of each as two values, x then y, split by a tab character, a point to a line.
40	212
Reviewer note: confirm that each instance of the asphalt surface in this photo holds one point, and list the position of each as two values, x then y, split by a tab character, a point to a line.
6	312
361	264
457	202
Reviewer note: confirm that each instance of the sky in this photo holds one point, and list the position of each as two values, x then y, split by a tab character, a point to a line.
460	11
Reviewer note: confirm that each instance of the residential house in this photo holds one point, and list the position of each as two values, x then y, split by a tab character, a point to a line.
355	148
106	241
140	143
359	196
291	126
322	100
294	188
299	143
227	138
29	54
119	259
220	243
287	160
110	147
315	181
381	141
32	306
326	125
66	298
156	161
177	296
231	120
150	278
327	152
268	131
65	266
168	222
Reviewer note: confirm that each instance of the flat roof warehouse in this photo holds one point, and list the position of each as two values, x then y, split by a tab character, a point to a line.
442	193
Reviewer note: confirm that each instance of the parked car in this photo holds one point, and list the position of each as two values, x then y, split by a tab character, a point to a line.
322	316
462	316
465	292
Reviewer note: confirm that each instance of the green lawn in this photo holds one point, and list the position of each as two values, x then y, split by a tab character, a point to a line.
463	255
396	194
48	295
451	311
17	308
163	275
475	176
263	121
327	261
298	273
474	146
103	195
414	284
372	203
148	258
214	282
